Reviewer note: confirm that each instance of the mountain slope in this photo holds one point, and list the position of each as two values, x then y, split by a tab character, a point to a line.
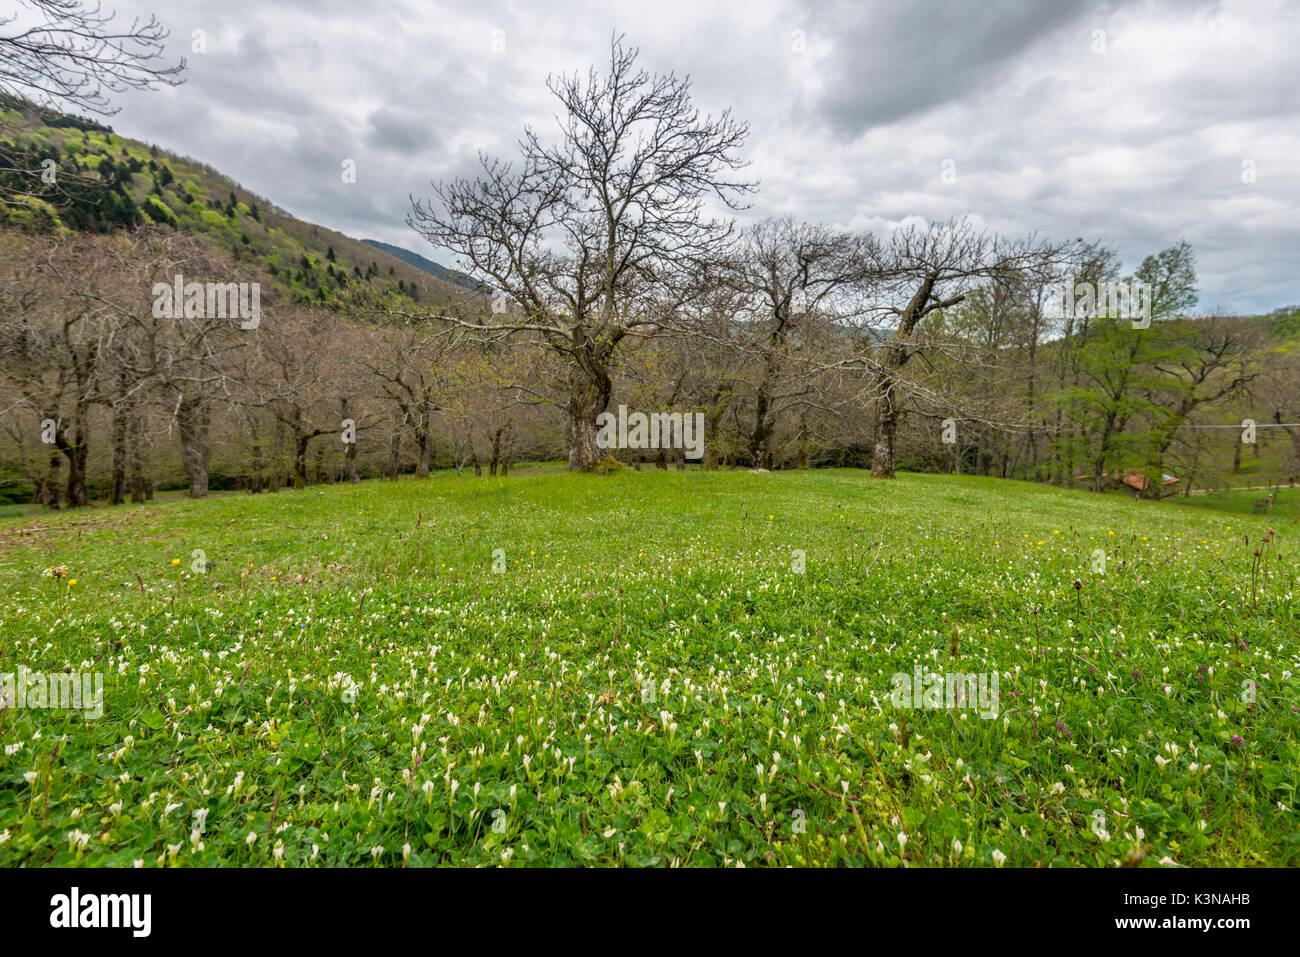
105	182
427	265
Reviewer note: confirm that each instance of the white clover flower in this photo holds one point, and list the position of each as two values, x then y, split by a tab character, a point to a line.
999	858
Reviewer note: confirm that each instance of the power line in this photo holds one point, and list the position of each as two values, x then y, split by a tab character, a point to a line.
1258	425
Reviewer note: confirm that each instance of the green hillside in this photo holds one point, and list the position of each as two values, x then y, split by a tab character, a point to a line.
104	182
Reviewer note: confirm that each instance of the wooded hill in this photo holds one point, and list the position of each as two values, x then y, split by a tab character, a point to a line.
104	182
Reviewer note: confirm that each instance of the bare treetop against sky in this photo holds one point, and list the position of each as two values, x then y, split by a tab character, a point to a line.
1135	124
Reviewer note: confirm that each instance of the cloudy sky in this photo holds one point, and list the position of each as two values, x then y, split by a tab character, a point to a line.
1135	123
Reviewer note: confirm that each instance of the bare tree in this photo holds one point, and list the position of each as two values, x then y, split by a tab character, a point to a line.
923	271
788	273
297	381
68	54
404	363
60	347
588	236
1277	396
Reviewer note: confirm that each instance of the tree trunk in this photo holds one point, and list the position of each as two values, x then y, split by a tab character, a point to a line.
589	393
50	497
759	451
72	443
424	447
350	461
121	418
895	357
77	494
192	421
395	456
882	456
255	480
507	450
300	462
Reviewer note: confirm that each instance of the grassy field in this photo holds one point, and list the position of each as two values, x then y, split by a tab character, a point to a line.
1278	505
653	668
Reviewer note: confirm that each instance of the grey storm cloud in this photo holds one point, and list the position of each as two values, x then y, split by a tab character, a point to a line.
1133	122
893	60
400	132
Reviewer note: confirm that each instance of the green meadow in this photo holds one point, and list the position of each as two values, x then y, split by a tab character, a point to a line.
653	668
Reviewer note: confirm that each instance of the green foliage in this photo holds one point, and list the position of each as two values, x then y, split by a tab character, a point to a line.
159	211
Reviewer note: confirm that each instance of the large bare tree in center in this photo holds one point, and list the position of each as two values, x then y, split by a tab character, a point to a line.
591	237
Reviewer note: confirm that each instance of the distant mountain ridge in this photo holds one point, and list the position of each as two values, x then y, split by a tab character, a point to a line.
428	265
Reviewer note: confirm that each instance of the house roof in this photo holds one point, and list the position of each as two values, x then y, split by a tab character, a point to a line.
1135	479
